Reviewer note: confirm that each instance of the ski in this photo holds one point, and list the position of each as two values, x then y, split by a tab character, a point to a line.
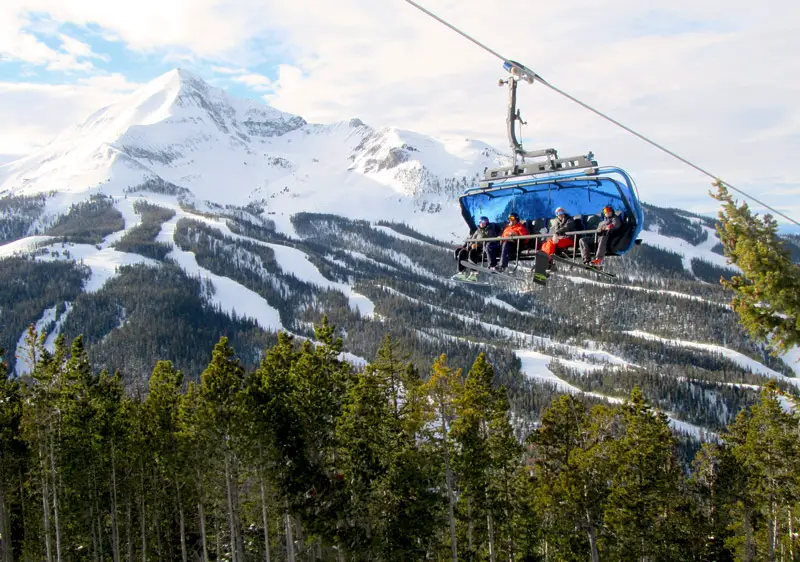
471	282
591	268
474	267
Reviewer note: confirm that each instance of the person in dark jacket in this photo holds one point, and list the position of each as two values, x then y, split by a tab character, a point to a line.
562	224
609	223
474	249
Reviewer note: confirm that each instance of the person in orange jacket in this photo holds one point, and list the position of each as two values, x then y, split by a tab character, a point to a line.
514	228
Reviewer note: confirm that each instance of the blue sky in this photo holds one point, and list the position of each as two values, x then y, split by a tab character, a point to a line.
716	81
112	55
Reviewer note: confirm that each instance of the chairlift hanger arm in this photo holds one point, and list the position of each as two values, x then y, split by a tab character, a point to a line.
514	116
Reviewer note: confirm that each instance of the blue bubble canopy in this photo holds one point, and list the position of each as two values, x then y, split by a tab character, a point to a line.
582	195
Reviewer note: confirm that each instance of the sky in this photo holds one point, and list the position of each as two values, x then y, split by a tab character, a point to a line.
715	81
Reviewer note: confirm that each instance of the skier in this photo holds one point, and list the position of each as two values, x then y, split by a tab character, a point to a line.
609	223
562	224
514	228
472	250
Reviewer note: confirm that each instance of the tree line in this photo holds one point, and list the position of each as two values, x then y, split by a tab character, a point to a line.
307	457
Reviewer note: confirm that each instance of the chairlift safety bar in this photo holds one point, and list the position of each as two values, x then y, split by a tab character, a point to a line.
527	237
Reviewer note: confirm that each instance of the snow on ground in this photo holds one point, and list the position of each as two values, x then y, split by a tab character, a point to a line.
503	304
283	224
392	232
792	358
23	245
103	260
534	366
686	250
25	361
740	359
229	295
293	262
409	264
50	342
579	280
360	256
104	263
361	303
699	433
591	358
132	220
354	359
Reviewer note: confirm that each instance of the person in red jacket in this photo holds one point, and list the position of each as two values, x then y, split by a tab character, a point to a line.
514	228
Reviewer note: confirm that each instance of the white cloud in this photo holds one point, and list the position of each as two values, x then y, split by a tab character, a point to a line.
227	70
77	48
716	81
19	42
257	82
32	114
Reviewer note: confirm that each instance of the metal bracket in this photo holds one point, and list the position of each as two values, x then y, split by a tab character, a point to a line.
551	162
541	167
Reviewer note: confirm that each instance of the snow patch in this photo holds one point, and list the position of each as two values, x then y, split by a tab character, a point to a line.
699	433
229	295
131	218
104	263
686	250
792	358
392	232
739	358
24	245
535	366
25	359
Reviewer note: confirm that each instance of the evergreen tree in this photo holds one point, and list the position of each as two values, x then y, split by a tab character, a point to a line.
220	415
574	452
764	442
767	294
386	463
12	461
645	494
161	411
486	459
719	484
411	505
443	388
366	432
274	397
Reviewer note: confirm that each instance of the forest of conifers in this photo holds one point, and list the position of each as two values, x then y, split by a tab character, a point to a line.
307	457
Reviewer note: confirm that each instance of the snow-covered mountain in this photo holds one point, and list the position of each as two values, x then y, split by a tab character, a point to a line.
234	216
231	151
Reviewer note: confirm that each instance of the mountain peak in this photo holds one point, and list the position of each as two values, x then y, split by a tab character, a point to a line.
180	75
173	115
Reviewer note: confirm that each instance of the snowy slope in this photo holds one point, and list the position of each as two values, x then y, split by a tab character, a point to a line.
738	358
686	250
